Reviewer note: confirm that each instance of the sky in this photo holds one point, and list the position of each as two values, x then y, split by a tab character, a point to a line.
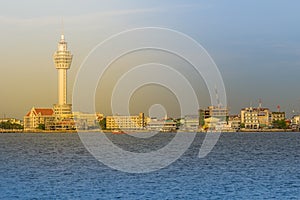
255	45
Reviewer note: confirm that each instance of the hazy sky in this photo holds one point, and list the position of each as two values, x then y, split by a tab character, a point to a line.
255	44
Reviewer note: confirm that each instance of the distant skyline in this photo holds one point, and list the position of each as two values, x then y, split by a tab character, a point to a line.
255	44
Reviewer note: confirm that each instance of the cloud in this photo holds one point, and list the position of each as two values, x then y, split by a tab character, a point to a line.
86	17
48	20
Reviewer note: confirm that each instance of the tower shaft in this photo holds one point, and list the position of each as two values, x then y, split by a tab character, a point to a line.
62	86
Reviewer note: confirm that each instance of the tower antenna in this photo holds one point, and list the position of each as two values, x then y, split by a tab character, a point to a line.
217	97
62	37
260	103
62	25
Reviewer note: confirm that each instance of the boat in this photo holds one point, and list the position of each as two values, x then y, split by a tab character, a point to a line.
117	132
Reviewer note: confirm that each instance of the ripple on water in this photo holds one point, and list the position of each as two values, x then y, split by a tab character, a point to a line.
241	165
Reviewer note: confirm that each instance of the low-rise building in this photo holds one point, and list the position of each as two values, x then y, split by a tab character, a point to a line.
295	123
295	120
191	123
234	122
62	124
278	116
38	118
212	123
264	117
258	118
85	121
165	125
255	118
219	112
136	122
249	118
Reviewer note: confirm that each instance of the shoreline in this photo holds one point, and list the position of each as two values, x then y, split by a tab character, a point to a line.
144	131
267	130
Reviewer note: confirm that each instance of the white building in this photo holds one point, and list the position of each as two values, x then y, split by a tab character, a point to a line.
234	122
191	123
165	125
85	121
295	120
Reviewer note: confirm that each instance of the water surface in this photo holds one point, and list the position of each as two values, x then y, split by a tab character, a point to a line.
241	166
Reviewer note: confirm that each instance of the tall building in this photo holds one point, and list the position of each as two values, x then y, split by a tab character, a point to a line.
62	60
60	117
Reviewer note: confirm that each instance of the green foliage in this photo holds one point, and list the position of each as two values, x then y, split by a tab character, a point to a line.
41	126
281	124
201	119
102	124
9	125
242	125
178	123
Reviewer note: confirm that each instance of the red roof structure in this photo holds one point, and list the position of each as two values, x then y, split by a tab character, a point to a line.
41	111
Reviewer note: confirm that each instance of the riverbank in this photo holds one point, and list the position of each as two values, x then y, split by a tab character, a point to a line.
132	131
265	130
11	130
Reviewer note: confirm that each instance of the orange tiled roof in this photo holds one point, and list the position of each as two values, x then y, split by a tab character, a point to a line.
28	114
43	111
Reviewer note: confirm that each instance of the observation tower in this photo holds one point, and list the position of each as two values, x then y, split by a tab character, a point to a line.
62	60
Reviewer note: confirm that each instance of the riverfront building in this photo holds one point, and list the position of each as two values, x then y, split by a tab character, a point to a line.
191	123
278	116
257	118
116	122
86	121
38	117
164	125
295	122
234	122
254	118
213	112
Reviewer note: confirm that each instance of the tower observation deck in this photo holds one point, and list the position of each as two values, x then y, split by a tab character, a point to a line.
62	60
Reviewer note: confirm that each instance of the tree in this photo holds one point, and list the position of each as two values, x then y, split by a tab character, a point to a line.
102	123
41	126
10	125
178	123
280	124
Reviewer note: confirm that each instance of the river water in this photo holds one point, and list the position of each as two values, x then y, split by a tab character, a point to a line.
241	166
